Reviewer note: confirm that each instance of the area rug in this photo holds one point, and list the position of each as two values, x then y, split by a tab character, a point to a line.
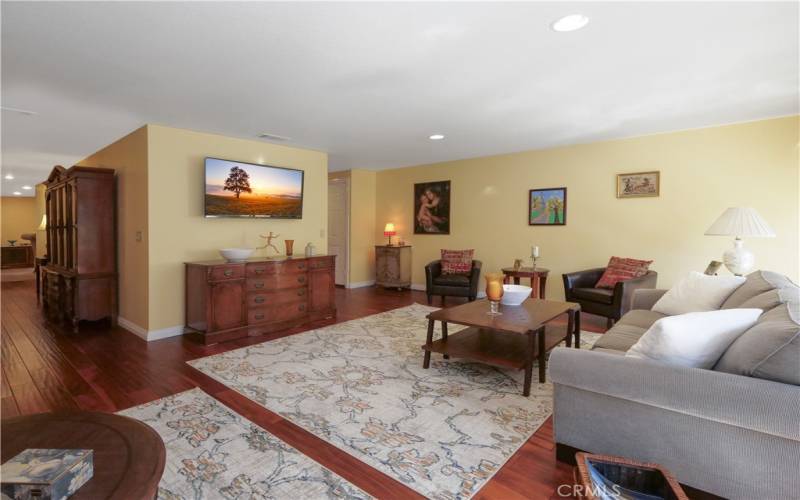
360	386
214	453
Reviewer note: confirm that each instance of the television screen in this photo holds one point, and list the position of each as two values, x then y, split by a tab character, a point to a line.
237	189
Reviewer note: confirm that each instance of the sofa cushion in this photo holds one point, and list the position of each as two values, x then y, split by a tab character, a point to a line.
620	269
773	298
619	338
601	295
694	340
451	280
641	318
697	292
770	349
756	283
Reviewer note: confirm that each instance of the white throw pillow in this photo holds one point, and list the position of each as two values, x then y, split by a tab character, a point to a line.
696	339
697	292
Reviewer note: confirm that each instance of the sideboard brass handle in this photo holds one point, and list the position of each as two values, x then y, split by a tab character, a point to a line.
301	308
300	293
259	270
301	266
259	316
301	279
259	285
259	300
228	272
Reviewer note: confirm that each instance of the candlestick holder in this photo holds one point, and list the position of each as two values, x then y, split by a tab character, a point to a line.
534	259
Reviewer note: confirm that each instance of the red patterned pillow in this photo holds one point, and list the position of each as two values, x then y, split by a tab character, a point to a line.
620	269
457	261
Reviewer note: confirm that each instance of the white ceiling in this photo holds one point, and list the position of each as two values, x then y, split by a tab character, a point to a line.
369	82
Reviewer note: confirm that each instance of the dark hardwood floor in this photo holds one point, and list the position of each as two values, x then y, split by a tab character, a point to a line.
45	368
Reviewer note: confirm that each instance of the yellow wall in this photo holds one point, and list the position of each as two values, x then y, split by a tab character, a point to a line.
128	156
18	217
362	226
703	172
180	233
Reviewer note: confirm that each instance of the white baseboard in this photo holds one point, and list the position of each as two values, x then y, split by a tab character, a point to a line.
149	335
164	333
360	284
132	327
422	288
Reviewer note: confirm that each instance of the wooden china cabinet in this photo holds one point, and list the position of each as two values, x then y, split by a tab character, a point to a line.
230	300
80	279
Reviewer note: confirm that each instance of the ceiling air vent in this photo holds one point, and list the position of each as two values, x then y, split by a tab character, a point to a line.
273	137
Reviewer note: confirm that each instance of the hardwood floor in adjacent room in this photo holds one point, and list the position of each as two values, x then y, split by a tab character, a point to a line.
46	368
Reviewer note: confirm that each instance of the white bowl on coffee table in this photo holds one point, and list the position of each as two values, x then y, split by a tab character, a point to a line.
514	295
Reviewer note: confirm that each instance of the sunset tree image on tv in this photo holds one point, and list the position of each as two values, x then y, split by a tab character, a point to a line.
236	189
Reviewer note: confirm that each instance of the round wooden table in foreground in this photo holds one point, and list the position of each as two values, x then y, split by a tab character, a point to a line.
128	455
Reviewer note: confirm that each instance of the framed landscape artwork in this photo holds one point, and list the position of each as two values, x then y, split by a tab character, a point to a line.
638	184
432	208
547	207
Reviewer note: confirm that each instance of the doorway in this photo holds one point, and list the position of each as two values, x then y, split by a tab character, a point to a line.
339	225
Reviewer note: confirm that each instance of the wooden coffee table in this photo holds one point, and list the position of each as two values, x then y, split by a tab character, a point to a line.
129	455
513	339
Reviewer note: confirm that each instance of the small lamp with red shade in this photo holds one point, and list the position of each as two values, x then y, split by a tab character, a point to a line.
389	231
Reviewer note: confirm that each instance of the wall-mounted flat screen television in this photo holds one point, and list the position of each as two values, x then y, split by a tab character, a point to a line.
238	189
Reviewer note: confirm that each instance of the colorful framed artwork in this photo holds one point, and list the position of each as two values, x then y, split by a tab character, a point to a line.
432	208
547	207
638	184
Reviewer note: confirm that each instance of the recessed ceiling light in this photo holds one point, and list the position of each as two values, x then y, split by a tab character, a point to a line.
26	187
17	193
436	137
571	22
9	177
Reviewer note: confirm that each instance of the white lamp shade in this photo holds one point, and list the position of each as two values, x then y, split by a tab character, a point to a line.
740	221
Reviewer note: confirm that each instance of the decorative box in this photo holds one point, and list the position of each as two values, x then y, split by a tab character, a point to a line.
47	474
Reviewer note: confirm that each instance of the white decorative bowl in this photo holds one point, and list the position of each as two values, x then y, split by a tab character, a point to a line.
236	254
514	295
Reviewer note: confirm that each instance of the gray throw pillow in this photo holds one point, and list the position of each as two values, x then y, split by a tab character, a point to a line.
773	298
757	283
770	349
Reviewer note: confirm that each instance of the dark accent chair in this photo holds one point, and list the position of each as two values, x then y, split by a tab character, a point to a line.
612	304
453	285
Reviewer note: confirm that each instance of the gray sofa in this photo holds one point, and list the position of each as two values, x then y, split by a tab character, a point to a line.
733	431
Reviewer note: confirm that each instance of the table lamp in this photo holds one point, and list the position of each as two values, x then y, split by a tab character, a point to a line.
389	231
739	222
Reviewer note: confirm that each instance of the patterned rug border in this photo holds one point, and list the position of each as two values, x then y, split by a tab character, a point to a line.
246	420
352	453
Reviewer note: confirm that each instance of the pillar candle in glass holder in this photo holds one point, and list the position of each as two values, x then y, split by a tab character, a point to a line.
534	251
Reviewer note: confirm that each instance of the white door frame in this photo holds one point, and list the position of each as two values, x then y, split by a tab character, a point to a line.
346	257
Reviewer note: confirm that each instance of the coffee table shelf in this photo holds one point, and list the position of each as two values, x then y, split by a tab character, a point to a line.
496	348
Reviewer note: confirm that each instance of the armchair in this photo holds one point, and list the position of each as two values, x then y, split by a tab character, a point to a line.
453	285
612	304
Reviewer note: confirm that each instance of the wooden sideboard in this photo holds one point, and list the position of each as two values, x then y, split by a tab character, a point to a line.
393	266
16	256
226	301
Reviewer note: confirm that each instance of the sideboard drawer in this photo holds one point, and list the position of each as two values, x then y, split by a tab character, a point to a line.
280	281
230	272
277	312
261	299
322	262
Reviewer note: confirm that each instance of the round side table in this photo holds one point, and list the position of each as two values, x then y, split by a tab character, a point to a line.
537	276
128	457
